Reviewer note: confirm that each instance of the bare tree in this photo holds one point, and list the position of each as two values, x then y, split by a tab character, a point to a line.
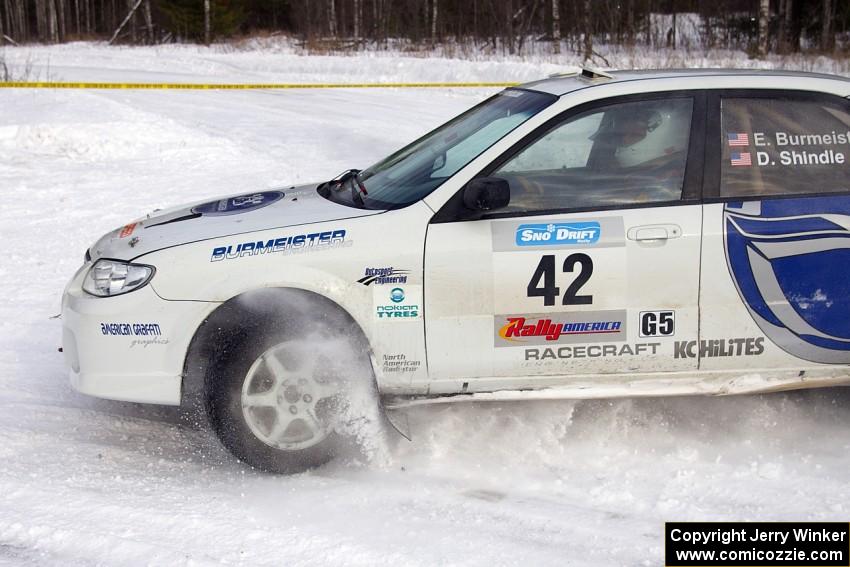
76	10
133	37
9	27
332	17
207	22
148	21
793	24
60	8
556	27
826	37
16	26
764	18
89	16
504	24
357	16
52	21
674	30
509	27
40	18
125	20
588	30
435	11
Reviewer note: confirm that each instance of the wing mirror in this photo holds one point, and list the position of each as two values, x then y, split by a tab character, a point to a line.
486	194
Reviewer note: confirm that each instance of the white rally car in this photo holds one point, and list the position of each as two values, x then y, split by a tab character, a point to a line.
587	235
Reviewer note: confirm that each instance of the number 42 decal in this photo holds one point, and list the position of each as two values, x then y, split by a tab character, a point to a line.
545	272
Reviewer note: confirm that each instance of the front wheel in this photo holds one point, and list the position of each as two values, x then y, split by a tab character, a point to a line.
281	404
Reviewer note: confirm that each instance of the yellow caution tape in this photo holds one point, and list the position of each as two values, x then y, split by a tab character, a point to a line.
239	86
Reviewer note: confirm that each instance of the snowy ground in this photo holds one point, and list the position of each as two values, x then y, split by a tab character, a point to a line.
86	482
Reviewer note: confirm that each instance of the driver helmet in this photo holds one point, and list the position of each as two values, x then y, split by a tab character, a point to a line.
647	133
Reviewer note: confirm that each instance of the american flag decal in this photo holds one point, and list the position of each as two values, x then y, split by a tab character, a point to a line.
742	158
738	139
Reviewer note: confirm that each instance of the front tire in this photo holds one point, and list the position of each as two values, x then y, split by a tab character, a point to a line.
276	402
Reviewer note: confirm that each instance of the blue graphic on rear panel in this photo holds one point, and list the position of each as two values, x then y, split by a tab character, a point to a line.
790	259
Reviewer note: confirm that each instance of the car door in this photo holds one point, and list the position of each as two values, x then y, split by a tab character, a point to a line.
592	268
776	249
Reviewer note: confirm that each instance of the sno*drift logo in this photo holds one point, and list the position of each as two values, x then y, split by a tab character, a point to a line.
558	233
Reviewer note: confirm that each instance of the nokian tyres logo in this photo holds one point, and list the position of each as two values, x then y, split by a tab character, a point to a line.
558	233
399	304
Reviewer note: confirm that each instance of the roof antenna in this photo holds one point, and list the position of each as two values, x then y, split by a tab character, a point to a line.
593	74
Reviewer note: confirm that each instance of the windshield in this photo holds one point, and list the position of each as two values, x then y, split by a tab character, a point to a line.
416	170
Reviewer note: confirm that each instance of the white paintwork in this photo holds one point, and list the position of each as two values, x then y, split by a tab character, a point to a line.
454	274
595	386
120	367
467	283
173	227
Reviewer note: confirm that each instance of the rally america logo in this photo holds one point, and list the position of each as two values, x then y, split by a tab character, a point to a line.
790	260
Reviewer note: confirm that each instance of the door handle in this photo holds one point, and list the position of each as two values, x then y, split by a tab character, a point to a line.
654	232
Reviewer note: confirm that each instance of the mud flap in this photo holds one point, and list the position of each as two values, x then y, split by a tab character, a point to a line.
397	417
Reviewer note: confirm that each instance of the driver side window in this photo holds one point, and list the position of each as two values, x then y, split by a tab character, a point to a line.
621	154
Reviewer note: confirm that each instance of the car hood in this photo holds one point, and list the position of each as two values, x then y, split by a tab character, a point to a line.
226	216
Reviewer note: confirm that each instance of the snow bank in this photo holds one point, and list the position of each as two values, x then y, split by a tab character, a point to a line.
279	59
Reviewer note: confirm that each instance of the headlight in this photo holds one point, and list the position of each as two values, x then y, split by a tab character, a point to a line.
112	277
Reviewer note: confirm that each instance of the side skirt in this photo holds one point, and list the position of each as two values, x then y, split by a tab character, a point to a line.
719	383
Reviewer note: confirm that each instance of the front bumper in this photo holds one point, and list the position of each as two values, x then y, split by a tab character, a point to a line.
129	347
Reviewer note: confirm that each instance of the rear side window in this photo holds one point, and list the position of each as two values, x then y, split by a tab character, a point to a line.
784	147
